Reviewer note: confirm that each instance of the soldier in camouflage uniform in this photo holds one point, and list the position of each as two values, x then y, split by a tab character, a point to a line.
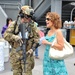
12	36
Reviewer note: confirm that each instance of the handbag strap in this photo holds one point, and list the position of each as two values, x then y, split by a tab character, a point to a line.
55	36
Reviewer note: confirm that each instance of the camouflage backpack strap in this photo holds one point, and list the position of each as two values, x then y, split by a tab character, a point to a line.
35	35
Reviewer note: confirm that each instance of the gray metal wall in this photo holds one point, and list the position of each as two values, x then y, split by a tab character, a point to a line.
11	9
36	3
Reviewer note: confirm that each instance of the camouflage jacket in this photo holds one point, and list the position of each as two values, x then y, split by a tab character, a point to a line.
31	42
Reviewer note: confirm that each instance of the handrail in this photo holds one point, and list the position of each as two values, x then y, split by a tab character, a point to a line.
38	5
71	13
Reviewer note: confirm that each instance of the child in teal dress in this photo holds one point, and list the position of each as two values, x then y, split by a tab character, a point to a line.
52	66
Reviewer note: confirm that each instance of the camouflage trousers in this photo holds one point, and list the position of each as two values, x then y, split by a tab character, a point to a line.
18	65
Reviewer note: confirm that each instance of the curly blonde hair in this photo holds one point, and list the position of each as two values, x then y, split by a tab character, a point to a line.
55	18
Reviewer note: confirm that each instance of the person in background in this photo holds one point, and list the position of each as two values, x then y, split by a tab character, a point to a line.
36	51
8	21
52	66
22	65
41	34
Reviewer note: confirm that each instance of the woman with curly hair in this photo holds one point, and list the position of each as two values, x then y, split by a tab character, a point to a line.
52	66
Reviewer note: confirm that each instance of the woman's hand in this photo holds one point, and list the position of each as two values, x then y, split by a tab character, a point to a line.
44	41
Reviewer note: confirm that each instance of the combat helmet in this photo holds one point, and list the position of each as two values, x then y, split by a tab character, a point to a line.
26	10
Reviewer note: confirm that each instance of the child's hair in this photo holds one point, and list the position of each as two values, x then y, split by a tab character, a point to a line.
7	21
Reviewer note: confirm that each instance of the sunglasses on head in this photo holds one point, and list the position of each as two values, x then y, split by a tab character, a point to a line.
48	19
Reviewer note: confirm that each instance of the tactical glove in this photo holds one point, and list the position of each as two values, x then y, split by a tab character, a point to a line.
29	51
18	39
